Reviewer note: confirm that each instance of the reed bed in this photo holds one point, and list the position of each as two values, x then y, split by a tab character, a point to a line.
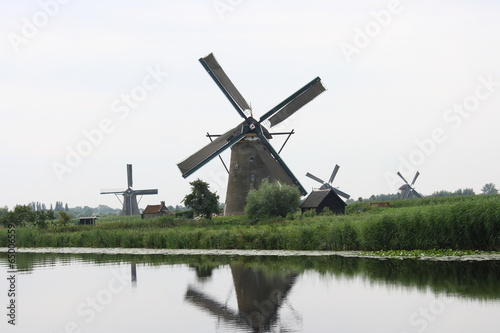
465	224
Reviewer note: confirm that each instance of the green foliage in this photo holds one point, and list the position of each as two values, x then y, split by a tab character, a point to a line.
489	189
456	223
309	213
201	200
64	218
189	214
272	200
21	215
41	220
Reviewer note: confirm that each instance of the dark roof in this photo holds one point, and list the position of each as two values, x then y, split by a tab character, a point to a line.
315	198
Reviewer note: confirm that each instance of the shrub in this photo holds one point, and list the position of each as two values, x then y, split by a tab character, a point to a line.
272	200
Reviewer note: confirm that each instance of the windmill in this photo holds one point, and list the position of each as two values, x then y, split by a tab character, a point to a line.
130	206
252	156
326	186
407	190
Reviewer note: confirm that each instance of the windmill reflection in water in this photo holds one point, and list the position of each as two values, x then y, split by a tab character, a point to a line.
261	296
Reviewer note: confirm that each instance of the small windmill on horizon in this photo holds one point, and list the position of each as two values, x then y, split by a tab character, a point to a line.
407	191
130	205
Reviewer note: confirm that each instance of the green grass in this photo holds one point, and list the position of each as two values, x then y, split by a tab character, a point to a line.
456	223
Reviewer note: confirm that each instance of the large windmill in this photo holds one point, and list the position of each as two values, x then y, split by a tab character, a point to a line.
407	190
326	186
252	156
130	206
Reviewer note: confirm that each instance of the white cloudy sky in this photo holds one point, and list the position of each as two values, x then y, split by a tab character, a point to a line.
65	76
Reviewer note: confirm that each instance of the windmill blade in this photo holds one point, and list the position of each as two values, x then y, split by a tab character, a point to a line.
293	103
280	161
222	80
143	192
402	178
319	180
415	178
217	309
342	194
214	148
113	192
129	175
334	173
415	193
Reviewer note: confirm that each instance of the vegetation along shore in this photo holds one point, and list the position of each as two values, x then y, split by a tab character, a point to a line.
458	223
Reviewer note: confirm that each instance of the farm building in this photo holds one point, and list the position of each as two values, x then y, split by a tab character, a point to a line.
321	199
156	210
87	220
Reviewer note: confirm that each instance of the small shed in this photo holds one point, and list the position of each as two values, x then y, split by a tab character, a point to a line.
87	220
321	199
152	211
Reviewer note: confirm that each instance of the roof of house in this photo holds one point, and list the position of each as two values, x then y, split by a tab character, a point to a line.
315	198
152	209
155	209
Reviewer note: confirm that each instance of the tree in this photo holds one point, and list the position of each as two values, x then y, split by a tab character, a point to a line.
201	200
64	218
41	219
489	189
272	200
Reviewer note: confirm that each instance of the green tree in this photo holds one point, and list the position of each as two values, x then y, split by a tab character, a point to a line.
64	218
272	200
22	215
41	219
489	189
4	210
51	215
201	200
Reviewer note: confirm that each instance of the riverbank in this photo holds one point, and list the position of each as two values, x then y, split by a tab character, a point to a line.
446	255
464	223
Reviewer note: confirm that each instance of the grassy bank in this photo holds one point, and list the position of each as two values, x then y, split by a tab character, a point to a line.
463	223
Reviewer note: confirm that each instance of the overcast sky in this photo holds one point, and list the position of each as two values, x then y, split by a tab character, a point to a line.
89	86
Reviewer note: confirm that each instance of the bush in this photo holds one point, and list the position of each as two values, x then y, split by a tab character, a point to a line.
272	200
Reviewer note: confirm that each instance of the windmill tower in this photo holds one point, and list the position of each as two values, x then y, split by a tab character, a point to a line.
406	191
130	206
252	156
326	186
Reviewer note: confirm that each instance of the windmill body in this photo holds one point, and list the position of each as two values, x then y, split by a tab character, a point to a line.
130	205
407	191
252	156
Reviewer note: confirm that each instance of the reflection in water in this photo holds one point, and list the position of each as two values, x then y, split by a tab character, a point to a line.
133	273
470	279
267	294
260	294
203	272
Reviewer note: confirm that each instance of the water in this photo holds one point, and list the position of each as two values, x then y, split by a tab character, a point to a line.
84	292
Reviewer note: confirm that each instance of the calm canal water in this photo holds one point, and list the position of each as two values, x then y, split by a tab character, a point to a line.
208	293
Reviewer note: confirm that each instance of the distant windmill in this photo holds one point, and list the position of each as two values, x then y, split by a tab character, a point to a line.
252	156
407	190
130	206
326	186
